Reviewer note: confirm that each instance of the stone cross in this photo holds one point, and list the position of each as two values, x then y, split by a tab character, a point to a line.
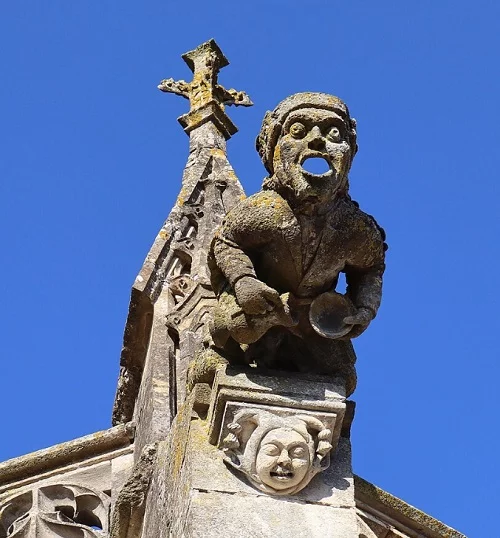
207	97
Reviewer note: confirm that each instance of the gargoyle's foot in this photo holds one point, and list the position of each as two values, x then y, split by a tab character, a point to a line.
204	367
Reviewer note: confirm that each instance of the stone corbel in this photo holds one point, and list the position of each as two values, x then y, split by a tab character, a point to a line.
278	430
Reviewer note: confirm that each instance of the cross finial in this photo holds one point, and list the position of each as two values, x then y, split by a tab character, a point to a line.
207	97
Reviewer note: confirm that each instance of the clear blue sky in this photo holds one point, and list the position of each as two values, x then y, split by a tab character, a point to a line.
91	163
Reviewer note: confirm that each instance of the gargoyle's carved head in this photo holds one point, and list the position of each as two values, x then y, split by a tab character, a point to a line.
279	455
304	131
283	459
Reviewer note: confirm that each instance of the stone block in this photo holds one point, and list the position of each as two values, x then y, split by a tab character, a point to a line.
215	514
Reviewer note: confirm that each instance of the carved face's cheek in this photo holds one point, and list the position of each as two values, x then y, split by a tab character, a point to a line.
286	163
287	152
300	466
266	461
340	155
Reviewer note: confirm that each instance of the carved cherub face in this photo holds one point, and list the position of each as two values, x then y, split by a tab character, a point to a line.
312	133
283	459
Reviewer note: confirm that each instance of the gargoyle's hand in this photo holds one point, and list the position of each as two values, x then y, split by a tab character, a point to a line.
255	297
361	319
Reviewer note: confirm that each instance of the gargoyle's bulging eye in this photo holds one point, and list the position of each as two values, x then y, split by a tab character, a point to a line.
334	134
297	130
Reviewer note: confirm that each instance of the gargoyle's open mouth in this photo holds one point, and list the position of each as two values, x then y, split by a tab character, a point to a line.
316	165
282	474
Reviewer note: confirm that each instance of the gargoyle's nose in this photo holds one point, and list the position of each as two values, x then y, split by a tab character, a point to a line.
284	458
315	139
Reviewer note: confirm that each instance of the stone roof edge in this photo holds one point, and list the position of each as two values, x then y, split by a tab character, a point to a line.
66	453
384	502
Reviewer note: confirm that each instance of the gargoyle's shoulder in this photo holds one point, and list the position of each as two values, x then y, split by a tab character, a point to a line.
361	220
266	199
265	210
263	203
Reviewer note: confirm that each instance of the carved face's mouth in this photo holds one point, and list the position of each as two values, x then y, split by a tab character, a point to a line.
282	474
316	165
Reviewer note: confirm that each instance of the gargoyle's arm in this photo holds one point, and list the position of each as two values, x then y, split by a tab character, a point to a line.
231	259
364	286
252	295
244	230
364	273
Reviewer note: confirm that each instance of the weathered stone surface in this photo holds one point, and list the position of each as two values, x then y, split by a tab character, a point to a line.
129	507
156	405
207	97
190	473
168	500
135	345
189	468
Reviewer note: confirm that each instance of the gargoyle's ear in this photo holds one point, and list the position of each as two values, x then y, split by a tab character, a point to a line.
262	141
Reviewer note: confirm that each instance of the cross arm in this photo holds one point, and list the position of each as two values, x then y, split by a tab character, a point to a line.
233	97
179	87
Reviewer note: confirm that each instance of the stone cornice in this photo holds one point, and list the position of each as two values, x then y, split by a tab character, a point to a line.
65	454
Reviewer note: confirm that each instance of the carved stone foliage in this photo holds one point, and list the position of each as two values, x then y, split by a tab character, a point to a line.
64	510
279	453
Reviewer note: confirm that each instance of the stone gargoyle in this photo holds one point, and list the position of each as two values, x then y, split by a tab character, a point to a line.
276	259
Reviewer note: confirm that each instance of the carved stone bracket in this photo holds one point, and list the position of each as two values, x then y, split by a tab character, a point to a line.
277	430
64	510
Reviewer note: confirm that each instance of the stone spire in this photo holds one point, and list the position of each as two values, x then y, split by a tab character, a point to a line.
172	295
